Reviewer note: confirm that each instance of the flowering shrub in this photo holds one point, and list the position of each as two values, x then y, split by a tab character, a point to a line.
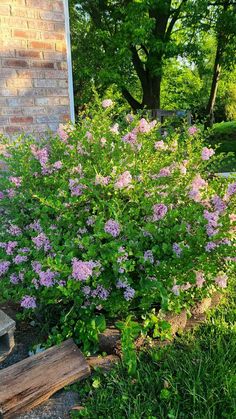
109	219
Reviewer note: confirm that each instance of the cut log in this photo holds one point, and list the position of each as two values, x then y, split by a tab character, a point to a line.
32	381
108	340
103	362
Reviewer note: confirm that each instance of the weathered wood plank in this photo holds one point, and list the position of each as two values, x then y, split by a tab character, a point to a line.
32	381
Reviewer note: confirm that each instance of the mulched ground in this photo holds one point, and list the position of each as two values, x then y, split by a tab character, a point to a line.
59	406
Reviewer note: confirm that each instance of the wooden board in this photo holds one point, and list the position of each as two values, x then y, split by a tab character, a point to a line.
30	382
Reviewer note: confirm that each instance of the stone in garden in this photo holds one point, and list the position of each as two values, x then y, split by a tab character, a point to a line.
7	328
109	339
176	321
201	307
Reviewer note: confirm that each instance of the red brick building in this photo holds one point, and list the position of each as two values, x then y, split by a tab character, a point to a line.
35	66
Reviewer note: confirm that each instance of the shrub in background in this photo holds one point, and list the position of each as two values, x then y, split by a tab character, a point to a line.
110	219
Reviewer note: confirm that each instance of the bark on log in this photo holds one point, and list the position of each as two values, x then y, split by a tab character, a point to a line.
30	382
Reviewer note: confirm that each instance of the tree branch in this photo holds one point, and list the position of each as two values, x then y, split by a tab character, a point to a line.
138	65
174	19
135	105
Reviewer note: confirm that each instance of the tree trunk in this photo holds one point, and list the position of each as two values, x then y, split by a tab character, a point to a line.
152	93
214	86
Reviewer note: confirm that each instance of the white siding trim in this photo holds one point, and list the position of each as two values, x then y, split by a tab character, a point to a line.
69	61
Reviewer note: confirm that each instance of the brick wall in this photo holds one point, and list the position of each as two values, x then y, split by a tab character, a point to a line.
33	66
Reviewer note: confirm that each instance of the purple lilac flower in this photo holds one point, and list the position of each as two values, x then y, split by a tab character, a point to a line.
102	180
231	189
11	193
112	227
186	286
42	242
207	153
35	282
1	195
20	259
123	180
144	126
121	284
86	290
3	245
130	138
212	218
10	247
177	249
100	292
148	256
103	141
4	266
210	246
14	279
165	172
89	136
47	278
75	187
28	302
62	134
14	230
129	118
107	103
37	267
129	293
82	270
16	181
197	184
192	130
57	165
176	289
221	280
40	154
219	204
35	226
91	220
159	211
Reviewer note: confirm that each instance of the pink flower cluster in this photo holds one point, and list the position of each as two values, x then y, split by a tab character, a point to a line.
192	130
160	145
42	242
107	103
197	184
16	181
207	153
102	180
212	218
76	188
14	230
221	280
123	180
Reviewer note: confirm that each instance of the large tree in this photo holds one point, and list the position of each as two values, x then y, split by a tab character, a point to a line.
132	39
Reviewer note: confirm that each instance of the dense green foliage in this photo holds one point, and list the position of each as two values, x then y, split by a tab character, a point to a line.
194	378
110	219
223	135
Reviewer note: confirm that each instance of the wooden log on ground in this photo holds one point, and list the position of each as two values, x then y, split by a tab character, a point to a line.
103	362
32	381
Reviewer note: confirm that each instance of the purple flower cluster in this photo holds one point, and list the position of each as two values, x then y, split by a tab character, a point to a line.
219	205
41	155
42	242
20	259
100	292
164	172
129	292
47	278
212	218
221	280
36	266
16	181
197	184
148	256
4	267
28	302
192	130
14	230
102	180
231	189
200	280
62	134
144	126
16	278
35	226
82	270
177	249
123	180
159	211
160	145
10	247
76	188
112	227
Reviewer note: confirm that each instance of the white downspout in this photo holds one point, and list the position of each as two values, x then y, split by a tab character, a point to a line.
69	61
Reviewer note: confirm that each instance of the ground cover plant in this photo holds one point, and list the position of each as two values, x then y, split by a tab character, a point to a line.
195	377
223	135
113	221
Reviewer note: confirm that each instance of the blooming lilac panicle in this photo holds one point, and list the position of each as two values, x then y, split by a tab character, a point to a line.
115	129
10	247
107	103
4	267
1	195
14	279
210	246
42	242
36	266
103	141
177	249
62	134
221	280
100	292
192	130
86	290
19	259
28	302
57	165
121	284
231	189
164	172
159	211
123	180
148	256
82	270
76	188
129	293
41	155
200	280
219	204
130	138
35	226
15	230
89	136
11	193
160	145
112	227
16	181
207	153
144	126
102	180
47	278
176	289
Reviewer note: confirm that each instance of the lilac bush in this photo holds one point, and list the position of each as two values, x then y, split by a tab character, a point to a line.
111	218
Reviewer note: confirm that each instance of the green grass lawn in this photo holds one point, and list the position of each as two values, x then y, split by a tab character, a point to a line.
193	378
224	135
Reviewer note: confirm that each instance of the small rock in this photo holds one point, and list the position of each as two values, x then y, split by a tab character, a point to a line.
201	307
109	339
176	321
